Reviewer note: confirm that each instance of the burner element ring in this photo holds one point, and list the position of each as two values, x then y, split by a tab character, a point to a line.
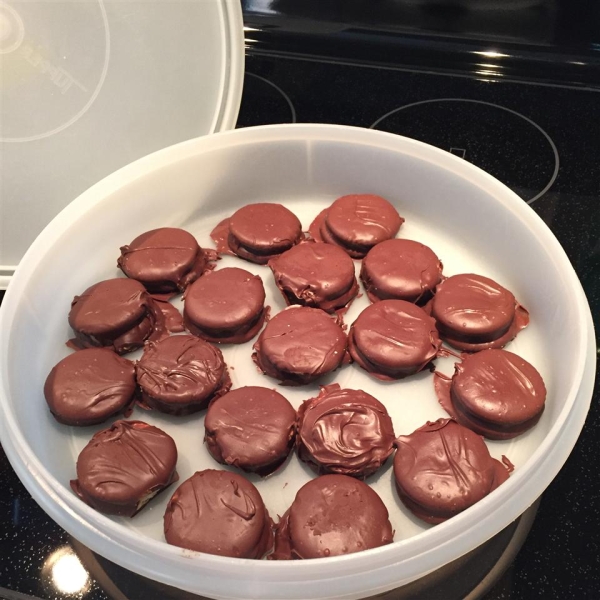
502	141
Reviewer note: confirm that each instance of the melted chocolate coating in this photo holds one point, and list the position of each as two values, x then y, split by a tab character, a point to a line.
125	466
89	386
401	270
226	306
494	393
165	260
219	512
356	223
344	431
258	232
118	313
443	468
473	313
299	345
315	274
172	318
181	375
393	339
332	515
252	428
318	232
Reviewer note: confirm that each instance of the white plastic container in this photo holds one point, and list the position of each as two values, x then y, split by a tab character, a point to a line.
89	86
473	222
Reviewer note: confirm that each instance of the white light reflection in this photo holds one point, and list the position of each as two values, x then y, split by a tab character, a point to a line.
261	6
491	54
65	572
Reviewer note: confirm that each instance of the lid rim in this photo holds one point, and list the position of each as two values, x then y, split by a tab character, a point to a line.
232	84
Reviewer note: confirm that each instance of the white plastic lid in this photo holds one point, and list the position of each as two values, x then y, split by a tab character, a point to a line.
88	86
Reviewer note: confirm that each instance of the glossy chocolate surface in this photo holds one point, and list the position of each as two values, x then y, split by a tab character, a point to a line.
319	232
401	270
181	374
219	512
315	274
118	313
332	515
252	428
165	260
124	466
443	468
473	313
258	232
299	345
172	318
89	386
392	339
356	223
495	393
225	306
344	431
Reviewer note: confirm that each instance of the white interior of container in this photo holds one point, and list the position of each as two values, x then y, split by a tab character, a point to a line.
473	223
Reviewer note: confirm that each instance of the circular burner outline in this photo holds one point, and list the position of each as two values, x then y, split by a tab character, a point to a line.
509	110
19	25
89	103
286	97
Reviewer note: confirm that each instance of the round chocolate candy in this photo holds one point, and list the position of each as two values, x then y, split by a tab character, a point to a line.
181	375
225	306
219	512
315	274
258	232
332	515
473	313
344	431
444	468
165	260
299	345
356	223
401	270
494	393
89	386
118	313
125	466
252	428
392	339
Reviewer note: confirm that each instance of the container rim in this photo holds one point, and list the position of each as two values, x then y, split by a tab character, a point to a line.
226	577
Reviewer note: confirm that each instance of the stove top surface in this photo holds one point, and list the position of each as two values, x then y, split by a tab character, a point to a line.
543	141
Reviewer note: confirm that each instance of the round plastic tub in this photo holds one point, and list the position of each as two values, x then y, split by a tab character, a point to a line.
473	222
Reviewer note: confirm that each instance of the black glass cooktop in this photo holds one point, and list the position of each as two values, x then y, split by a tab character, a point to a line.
543	142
